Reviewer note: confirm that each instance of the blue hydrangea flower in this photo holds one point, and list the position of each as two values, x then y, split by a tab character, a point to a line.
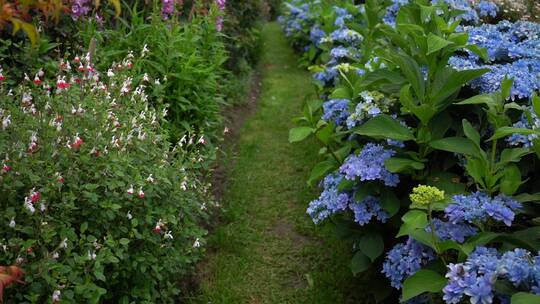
369	165
479	207
450	231
345	35
330	201
525	140
477	275
339	52
336	110
316	35
368	209
404	260
487	8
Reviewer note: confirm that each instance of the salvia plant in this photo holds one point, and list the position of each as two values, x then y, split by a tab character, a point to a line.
97	204
428	125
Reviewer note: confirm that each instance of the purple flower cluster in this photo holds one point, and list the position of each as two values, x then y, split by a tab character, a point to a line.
336	110
477	275
167	9
368	209
479	207
369	165
79	8
404	260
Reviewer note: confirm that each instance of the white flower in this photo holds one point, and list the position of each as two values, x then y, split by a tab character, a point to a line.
56	296
131	190
145	50
197	243
63	244
12	223
55	255
129	216
6	122
168	235
145	77
150	179
156	82
91	255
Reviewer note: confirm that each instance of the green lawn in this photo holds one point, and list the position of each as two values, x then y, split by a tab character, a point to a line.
267	250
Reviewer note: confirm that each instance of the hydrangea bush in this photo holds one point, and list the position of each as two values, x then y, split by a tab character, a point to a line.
97	204
428	121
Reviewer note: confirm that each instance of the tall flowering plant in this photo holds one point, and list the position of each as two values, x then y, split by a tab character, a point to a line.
430	175
97	204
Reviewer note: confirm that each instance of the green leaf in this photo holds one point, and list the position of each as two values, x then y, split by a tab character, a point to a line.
84	227
459	145
412	220
359	263
482	52
436	43
480	239
471	133
513	155
486	99
389	202
536	104
124	241
300	133
525	298
506	86
449	81
341	93
511	180
372	245
325	134
399	164
320	170
411	70
423	280
384	126
506	131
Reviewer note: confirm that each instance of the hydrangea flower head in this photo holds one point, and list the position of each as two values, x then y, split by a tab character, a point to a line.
330	201
368	209
479	207
336	110
369	165
423	195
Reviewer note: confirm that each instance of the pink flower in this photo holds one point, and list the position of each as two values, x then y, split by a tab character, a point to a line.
37	81
35	196
6	168
141	193
62	84
77	143
202	140
2	77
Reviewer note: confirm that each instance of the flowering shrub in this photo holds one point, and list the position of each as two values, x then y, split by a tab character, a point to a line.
428	122
97	204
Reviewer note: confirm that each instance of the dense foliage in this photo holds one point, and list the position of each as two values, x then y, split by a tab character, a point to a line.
105	156
428	122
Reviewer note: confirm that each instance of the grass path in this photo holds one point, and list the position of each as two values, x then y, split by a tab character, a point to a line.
267	250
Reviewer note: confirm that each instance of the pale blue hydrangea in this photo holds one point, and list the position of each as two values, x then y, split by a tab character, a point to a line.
345	35
479	207
316	35
365	109
487	8
336	110
369	165
339	52
404	260
330	201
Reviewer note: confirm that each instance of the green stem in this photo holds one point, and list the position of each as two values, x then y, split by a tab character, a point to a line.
433	235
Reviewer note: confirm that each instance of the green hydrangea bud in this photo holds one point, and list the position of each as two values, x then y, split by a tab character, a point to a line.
422	196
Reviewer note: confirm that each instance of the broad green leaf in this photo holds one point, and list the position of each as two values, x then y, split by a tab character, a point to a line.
372	245
471	133
450	83
411	70
525	298
341	93
482	52
300	133
536	104
480	239
360	263
399	164
412	220
459	145
506	86
513	155
384	126
486	99
422	281
511	180
436	43
325	134
389	202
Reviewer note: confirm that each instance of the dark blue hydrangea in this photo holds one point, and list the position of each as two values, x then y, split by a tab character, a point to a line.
326	77
336	110
525	140
479	207
404	260
367	209
476	277
369	165
316	35
450	231
330	201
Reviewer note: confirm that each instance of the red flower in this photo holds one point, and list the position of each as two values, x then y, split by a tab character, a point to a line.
62	84
2	77
6	168
141	194
29	250
77	143
37	81
157	229
34	197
